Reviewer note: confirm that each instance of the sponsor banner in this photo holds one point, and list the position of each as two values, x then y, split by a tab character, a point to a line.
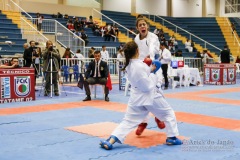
22	85
5	87
207	74
215	74
231	75
225	75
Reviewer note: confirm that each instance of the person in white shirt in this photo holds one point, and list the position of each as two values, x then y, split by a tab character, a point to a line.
144	98
104	54
188	46
165	58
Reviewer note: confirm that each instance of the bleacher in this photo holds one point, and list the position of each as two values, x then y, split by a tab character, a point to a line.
128	21
11	41
205	28
96	41
236	22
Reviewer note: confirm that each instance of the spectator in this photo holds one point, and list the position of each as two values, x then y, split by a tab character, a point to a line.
165	60
59	15
40	20
84	37
233	28
188	46
90	52
104	54
77	25
47	53
13	64
172	43
193	46
67	54
238	59
205	57
66	16
225	55
198	55
116	30
178	53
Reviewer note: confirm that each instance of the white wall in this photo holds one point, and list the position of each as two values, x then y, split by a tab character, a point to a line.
117	5
156	7
54	8
42	1
211	8
187	8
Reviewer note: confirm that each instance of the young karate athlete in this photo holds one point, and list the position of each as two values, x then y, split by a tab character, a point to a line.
144	98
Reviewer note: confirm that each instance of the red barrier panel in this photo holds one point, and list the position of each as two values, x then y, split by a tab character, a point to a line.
17	85
219	74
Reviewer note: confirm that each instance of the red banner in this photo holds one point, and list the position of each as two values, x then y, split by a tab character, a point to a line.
219	74
17	85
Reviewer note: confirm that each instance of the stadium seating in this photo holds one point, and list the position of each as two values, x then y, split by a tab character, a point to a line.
11	41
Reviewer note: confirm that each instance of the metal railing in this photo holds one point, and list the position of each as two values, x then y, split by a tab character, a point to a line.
30	32
177	28
111	51
235	36
119	25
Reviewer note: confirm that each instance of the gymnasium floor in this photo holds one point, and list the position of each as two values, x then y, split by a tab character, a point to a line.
65	128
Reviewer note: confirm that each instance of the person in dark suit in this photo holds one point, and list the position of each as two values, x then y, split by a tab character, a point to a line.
225	55
97	73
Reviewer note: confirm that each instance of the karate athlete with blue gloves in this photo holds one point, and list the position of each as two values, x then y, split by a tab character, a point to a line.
144	98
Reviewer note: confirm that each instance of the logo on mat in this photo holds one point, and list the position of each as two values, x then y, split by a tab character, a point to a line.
231	74
22	85
215	74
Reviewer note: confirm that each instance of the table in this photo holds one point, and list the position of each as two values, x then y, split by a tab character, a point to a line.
186	76
17	85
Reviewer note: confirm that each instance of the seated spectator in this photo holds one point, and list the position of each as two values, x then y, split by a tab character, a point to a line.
107	35
70	26
97	73
162	39
116	30
172	43
59	15
90	52
84	37
77	25
13	64
178	53
193	46
188	46
66	16
112	33
198	55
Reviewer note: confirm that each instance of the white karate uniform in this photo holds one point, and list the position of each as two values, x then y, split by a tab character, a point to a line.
144	98
148	46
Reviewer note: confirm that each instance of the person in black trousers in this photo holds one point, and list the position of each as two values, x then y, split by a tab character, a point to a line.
97	73
225	55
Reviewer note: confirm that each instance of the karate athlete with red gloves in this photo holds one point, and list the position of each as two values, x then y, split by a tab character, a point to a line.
148	45
144	98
